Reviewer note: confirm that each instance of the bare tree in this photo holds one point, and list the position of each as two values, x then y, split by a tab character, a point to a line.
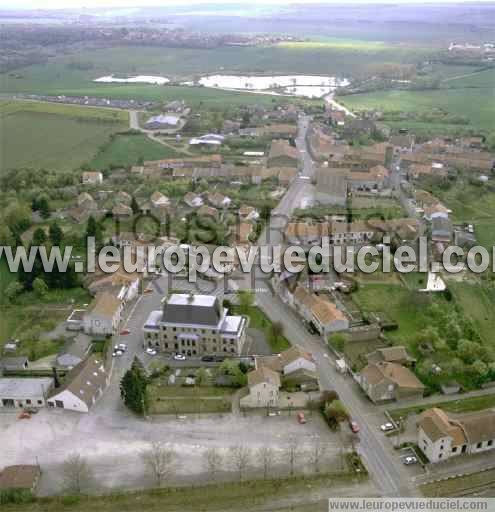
266	456
77	473
291	454
241	457
159	461
213	461
316	453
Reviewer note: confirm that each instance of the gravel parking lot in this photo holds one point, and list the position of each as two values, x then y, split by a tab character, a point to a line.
113	444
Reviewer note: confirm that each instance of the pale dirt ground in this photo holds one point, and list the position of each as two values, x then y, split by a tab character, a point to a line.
113	445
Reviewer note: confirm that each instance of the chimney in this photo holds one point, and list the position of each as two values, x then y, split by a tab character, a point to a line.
55	377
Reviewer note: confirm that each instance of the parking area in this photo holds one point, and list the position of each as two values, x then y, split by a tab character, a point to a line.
113	444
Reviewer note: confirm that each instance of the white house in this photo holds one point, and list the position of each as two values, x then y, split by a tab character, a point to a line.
442	435
83	385
92	178
103	315
159	200
295	358
264	385
193	200
24	392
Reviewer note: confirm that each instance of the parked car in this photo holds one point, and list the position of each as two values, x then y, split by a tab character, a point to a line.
151	351
410	460
387	427
121	346
179	357
148	290
301	418
208	359
117	353
353	426
124	332
219	359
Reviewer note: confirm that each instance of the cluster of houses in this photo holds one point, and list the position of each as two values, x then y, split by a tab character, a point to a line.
78	391
292	369
443	435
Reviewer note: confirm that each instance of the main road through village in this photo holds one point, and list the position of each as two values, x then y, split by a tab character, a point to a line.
384	466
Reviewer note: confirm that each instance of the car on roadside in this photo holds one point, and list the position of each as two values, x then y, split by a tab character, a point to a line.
179	357
208	359
409	460
301	418
124	332
148	290
353	426
387	427
151	351
117	353
219	359
121	346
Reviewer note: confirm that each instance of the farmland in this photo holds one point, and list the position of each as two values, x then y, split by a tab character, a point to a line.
125	150
59	137
476	104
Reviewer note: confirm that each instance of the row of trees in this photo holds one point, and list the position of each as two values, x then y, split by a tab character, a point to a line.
161	462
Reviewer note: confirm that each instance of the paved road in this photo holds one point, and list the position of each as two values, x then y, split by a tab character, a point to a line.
383	464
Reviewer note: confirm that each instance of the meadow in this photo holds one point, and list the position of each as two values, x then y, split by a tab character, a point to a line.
59	137
476	104
125	150
61	76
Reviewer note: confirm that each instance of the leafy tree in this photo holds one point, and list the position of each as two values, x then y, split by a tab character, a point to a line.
335	413
17	217
246	300
93	229
39	237
40	287
55	234
133	389
233	369
134	205
6	236
338	341
13	290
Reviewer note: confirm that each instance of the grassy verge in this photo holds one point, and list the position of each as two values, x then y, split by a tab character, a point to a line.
459	486
259	320
227	496
457	406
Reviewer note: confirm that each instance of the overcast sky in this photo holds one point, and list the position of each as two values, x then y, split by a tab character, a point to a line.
60	4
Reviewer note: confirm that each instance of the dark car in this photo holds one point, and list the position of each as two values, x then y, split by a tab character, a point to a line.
219	359
208	359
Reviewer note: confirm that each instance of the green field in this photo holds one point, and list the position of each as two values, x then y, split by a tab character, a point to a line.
476	104
125	150
343	57
464	405
57	137
191	400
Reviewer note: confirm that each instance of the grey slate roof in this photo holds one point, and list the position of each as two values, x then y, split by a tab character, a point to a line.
192	309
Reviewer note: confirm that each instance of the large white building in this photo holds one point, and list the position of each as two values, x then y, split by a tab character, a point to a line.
103	315
194	325
82	387
442	435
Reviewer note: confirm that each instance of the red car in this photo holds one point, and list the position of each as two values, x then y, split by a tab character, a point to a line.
354	426
301	418
124	332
